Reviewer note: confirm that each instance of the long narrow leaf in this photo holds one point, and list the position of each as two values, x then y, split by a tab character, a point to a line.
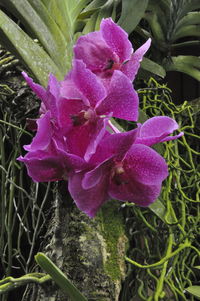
186	64
153	67
132	12
42	27
187	31
191	18
194	290
57	275
28	51
59	17
190	6
160	210
95	4
78	8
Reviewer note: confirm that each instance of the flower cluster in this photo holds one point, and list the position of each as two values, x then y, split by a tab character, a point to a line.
75	139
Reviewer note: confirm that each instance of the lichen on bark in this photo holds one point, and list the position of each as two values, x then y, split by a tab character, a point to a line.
89	251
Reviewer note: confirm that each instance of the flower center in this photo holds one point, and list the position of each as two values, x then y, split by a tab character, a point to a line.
82	117
117	173
112	65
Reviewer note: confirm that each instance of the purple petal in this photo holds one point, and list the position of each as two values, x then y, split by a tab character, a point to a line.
39	90
113	145
67	110
122	100
116	38
94	176
43	167
53	86
131	67
134	192
51	165
43	135
87	83
68	90
52	96
83	140
90	200
145	165
71	162
99	132
172	137
156	130
93	51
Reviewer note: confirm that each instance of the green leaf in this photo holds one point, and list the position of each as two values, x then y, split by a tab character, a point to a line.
58	11
186	64
194	290
36	19
78	8
191	18
152	67
29	52
105	11
157	29
160	9
91	23
142	116
187	31
160	210
95	4
57	275
132	12
190	6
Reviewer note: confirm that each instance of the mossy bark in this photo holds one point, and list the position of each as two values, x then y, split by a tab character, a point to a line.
89	251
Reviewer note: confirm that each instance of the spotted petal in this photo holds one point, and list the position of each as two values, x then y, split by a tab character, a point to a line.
39	90
157	129
43	135
87	83
93	51
52	164
135	192
122	100
116	38
131	67
145	165
90	200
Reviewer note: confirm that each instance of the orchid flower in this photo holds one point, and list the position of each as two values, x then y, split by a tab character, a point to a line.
80	106
84	115
48	158
75	138
121	170
109	49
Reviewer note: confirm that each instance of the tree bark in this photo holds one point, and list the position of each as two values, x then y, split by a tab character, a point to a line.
89	251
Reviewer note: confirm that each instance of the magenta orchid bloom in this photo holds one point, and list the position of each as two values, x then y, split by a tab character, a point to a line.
48	159
75	138
80	106
108	50
122	170
85	115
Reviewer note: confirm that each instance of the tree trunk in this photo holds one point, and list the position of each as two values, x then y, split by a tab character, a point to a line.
89	251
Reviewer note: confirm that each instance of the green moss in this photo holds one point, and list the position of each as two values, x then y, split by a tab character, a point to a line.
113	232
